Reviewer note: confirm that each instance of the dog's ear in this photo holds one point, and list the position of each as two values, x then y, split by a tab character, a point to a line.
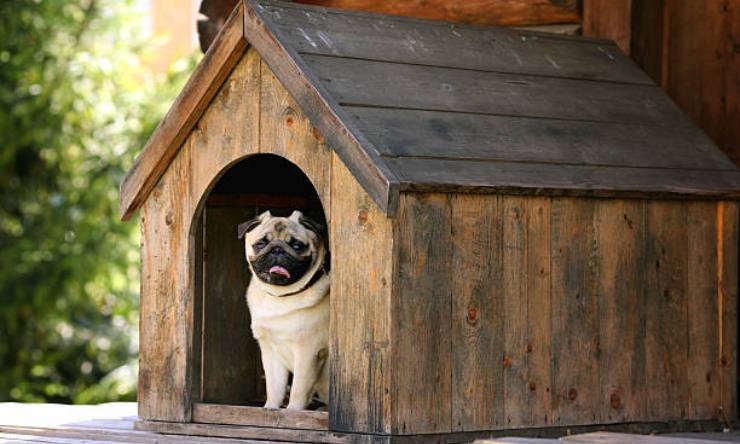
246	227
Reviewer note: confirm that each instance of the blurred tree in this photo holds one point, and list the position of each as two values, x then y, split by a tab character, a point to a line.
76	104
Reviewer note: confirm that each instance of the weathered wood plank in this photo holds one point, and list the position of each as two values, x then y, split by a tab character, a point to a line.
727	283
231	358
539	311
575	329
666	338
624	438
258	416
361	240
526	281
284	126
383	38
272	435
485	12
395	85
515	279
175	127
477	322
415	133
421	343
163	387
620	236
541	178
357	153
704	389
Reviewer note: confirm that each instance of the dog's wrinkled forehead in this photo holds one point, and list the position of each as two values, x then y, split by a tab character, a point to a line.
281	228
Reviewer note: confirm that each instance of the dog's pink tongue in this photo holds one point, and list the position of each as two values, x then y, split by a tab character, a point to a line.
277	269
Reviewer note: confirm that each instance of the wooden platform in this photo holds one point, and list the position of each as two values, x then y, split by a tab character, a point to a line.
114	423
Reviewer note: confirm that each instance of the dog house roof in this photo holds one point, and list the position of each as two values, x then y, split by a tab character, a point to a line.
418	105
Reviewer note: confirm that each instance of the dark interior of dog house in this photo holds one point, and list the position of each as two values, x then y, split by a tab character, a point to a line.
228	361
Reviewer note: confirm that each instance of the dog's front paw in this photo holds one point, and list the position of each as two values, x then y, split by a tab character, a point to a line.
296	406
272	405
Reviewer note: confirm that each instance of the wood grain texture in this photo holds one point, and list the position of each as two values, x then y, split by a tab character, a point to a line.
527	311
620	236
727	283
666	340
395	85
486	12
384	38
574	180
704	389
362	245
690	49
416	133
258	416
189	106
477	327
231	365
575	330
610	19
421	343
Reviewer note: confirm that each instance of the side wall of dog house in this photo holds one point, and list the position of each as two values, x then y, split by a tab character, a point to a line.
514	312
252	113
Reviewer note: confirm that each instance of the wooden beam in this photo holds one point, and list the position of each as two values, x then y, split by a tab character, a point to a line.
164	144
481	12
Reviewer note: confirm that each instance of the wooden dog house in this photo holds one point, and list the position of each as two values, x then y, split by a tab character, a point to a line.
526	233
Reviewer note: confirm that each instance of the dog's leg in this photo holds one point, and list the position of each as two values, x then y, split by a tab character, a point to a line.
306	369
276	377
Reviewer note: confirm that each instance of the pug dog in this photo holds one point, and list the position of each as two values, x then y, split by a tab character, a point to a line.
288	299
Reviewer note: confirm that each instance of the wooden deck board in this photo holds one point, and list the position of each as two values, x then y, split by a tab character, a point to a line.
114	423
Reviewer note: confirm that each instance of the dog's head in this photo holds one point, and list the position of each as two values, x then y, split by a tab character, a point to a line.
283	251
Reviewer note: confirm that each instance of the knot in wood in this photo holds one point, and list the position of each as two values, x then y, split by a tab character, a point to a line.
506	362
472	317
615	402
169	218
572	394
362	216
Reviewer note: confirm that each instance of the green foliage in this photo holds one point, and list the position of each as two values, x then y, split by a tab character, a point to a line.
76	105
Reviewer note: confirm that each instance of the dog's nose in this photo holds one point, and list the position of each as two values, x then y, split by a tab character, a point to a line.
277	252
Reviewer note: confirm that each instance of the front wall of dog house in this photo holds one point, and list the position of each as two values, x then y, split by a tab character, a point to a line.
515	311
252	113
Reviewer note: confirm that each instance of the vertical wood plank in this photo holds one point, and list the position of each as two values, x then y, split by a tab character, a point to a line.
283	127
527	308
361	239
727	281
666	343
230	353
516	390
421	342
703	312
620	235
477	322
539	311
198	293
609	19
575	273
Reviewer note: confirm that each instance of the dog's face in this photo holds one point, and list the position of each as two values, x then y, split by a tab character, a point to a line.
282	250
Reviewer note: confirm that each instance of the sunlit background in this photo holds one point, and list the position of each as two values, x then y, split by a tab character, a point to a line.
82	85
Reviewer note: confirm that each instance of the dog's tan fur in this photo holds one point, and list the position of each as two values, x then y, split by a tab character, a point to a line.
291	324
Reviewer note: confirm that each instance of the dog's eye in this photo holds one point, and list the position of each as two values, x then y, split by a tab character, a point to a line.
298	245
260	244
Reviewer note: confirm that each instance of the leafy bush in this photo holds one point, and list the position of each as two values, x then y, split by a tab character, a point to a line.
76	104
